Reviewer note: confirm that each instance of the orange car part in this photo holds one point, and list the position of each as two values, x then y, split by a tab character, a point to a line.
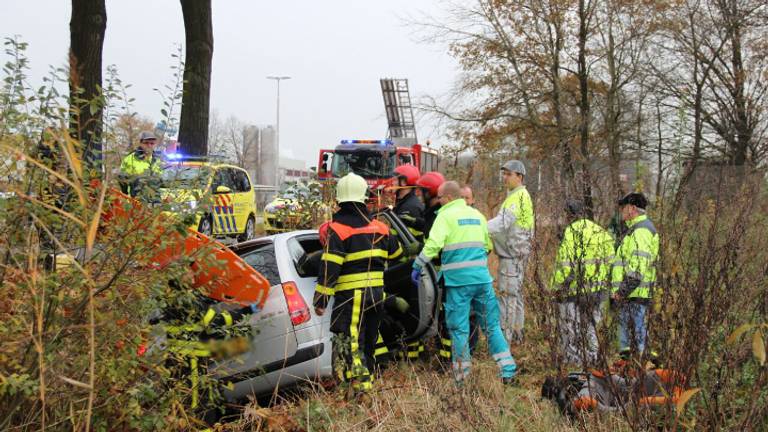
585	403
224	276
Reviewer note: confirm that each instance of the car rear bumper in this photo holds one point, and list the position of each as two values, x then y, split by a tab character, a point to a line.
310	362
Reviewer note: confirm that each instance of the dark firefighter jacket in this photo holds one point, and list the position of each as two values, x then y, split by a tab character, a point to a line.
356	253
430	214
410	210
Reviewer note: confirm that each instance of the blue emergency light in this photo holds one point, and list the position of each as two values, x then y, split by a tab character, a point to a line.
174	156
380	142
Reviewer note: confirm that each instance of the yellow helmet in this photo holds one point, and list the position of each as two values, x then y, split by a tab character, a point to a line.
351	188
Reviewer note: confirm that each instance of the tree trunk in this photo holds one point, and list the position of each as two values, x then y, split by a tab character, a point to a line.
195	107
557	104
612	116
659	154
741	117
584	108
86	38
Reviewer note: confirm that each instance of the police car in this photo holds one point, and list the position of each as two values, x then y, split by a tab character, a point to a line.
217	198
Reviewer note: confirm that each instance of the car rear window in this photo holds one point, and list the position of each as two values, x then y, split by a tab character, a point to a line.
262	258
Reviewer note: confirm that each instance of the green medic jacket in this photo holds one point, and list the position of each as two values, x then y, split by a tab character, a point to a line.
461	232
512	229
583	260
634	274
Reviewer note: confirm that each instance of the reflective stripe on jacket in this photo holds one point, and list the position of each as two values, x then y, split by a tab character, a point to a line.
512	229
461	233
355	258
634	273
583	259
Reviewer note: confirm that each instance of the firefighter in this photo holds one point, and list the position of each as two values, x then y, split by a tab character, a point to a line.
196	327
512	234
633	274
460	236
579	284
140	165
310	264
408	206
352	271
429	184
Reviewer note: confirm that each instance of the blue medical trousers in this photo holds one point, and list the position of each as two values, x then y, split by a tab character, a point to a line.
458	303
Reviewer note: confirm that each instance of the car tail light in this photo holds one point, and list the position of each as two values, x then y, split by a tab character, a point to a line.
297	307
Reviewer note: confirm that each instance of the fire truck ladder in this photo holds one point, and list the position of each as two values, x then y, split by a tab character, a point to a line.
397	103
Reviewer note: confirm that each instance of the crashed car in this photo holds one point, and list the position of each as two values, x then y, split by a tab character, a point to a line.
290	343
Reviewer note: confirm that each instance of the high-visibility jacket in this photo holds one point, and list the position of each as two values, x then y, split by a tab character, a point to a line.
134	164
634	273
191	339
583	259
512	229
138	164
461	233
356	257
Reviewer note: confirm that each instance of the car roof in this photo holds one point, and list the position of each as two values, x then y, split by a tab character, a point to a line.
213	165
274	238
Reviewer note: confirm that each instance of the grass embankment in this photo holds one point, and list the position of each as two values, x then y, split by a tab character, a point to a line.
420	397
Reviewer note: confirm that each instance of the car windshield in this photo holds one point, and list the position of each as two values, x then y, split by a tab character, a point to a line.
186	176
367	164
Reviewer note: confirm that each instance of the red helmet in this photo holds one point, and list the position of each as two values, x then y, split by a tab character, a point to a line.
431	181
410	172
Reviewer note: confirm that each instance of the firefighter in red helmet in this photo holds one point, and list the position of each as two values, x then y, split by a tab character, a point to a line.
408	206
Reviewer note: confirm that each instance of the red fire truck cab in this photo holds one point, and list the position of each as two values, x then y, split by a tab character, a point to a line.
374	160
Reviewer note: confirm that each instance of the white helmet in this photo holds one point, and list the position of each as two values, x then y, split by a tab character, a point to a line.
351	188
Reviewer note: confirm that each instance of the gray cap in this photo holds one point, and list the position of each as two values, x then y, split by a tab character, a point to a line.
147	135
514	166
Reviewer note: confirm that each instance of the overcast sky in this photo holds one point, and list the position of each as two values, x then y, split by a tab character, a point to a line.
335	51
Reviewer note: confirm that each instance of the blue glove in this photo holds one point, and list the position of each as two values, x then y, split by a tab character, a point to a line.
255	308
415	276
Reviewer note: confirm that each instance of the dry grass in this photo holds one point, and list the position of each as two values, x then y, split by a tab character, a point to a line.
418	397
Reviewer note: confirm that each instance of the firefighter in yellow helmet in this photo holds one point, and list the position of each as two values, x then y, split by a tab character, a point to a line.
352	273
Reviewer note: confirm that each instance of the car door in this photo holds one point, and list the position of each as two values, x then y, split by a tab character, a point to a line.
421	319
273	338
223	221
244	199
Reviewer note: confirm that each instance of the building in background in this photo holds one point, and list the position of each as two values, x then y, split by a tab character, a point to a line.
293	170
261	158
268	171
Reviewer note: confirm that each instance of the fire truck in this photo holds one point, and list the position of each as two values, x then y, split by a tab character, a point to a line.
376	160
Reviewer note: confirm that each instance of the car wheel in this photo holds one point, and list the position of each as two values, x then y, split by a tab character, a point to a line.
250	230
206	226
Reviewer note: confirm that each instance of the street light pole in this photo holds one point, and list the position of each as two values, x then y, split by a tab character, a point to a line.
277	79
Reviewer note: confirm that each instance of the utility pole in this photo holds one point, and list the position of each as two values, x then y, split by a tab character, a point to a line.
277	79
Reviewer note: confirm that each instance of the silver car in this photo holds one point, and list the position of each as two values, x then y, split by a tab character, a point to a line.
290	343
